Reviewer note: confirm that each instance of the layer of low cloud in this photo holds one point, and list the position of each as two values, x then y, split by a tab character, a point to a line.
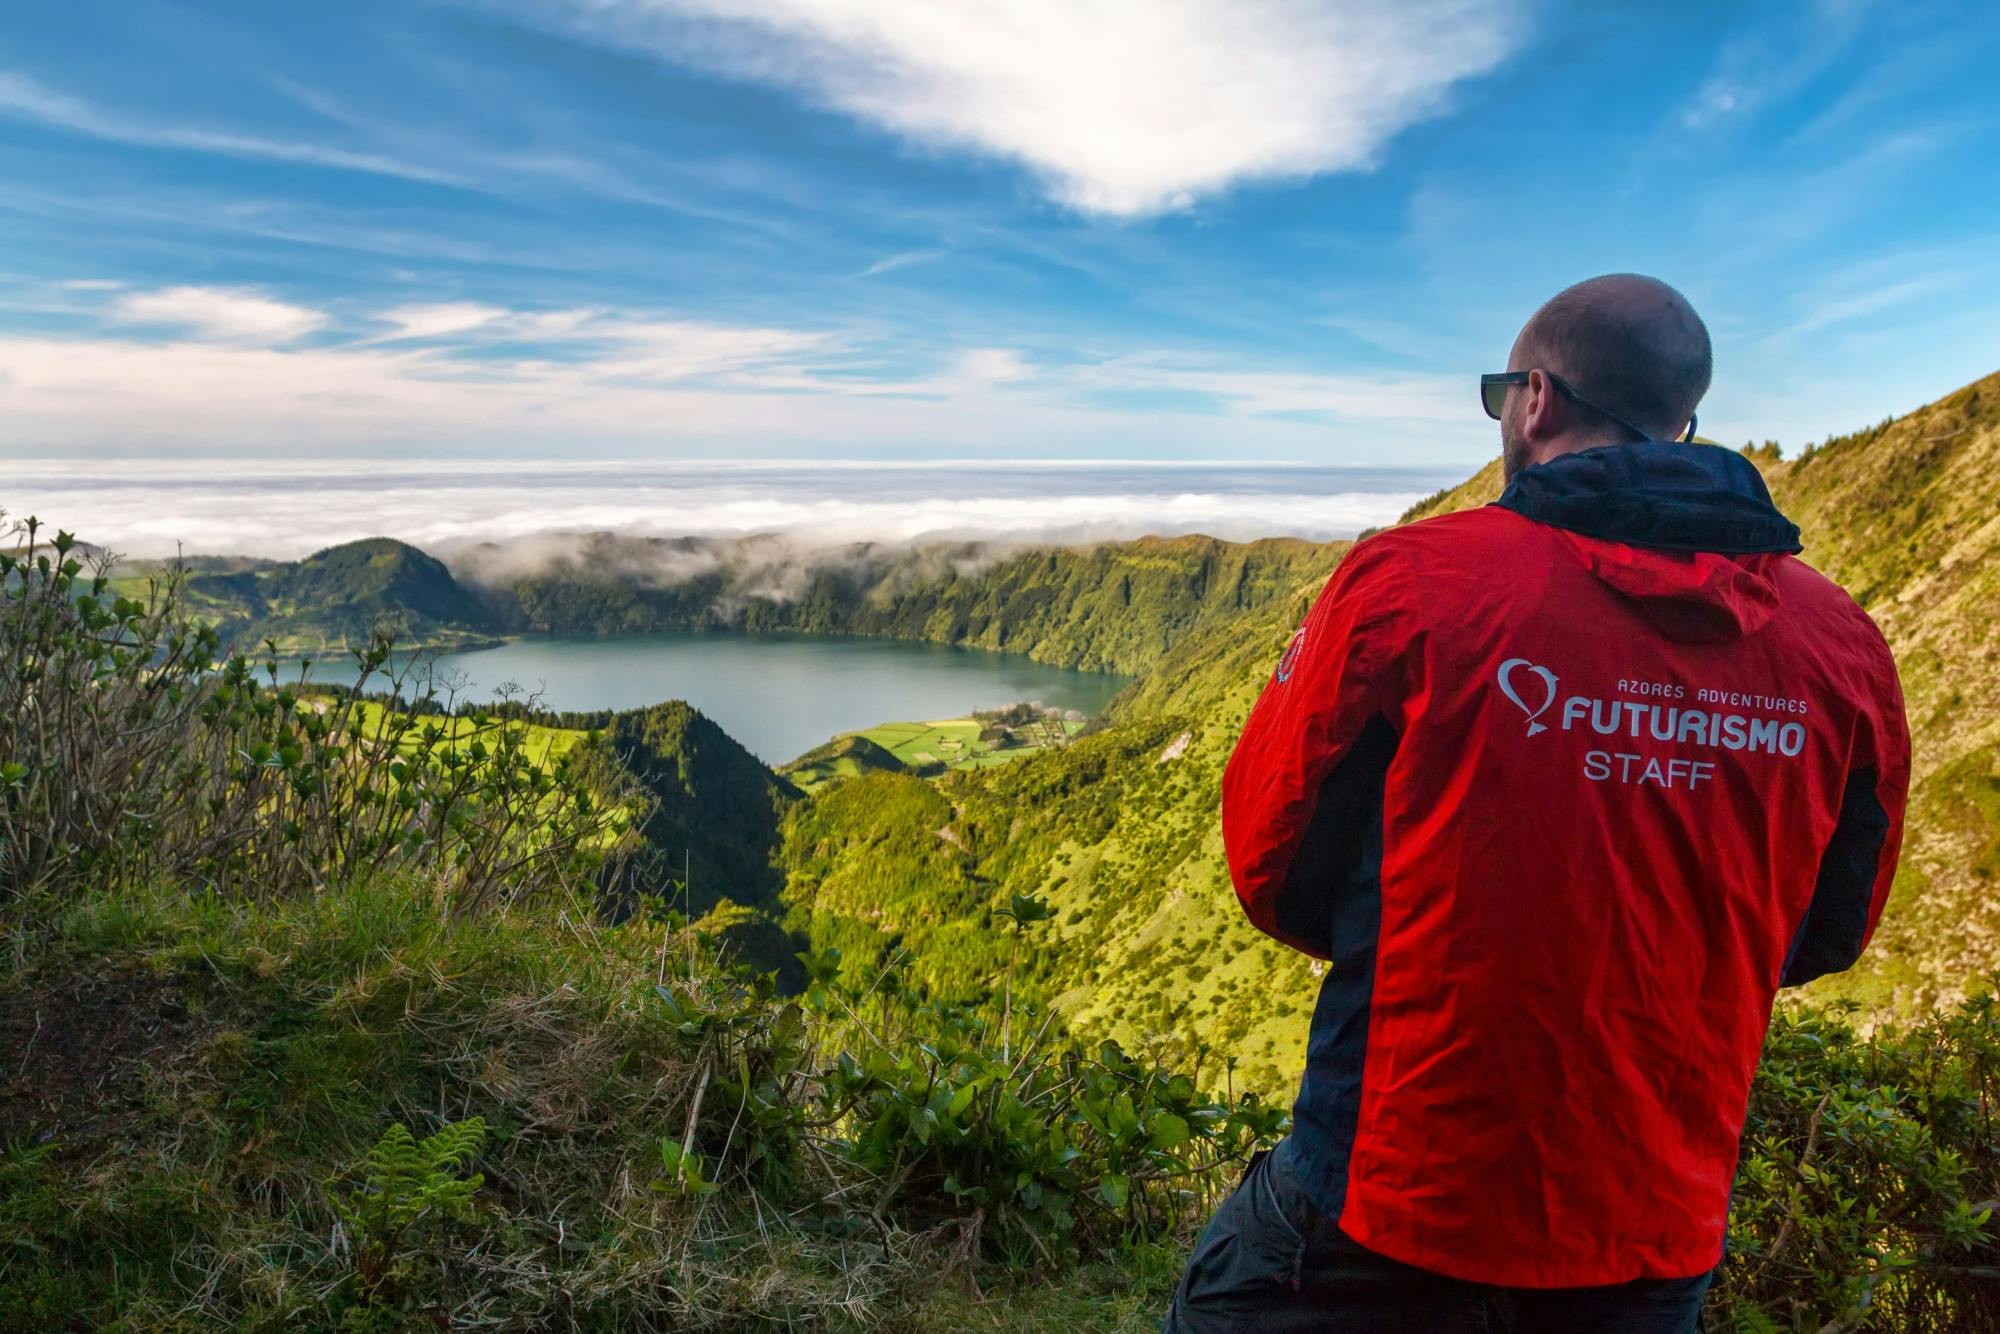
1122	108
291	509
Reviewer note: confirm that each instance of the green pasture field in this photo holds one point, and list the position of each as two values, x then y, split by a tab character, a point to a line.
540	744
939	744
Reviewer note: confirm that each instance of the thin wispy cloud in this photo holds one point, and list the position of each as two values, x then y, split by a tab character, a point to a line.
901	260
1377	397
1795	44
1124	108
434	321
23	98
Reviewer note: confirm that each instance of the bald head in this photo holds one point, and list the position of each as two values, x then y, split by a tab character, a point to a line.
1629	343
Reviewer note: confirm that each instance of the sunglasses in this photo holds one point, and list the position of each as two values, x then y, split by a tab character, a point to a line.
1493	397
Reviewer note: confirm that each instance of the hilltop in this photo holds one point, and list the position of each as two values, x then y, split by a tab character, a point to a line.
709	828
335	599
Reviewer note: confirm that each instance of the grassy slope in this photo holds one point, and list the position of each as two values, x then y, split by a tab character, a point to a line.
205	1079
1905	517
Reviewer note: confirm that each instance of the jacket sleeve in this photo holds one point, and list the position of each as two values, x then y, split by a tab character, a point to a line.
1859	861
1329	702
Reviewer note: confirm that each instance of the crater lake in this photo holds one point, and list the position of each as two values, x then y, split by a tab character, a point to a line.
778	694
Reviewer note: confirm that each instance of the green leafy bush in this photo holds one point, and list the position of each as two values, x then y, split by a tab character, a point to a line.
1869	1178
130	752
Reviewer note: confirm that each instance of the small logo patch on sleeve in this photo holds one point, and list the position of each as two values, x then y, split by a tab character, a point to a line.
1290	657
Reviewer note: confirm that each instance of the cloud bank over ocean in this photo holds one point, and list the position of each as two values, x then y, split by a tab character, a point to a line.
290	509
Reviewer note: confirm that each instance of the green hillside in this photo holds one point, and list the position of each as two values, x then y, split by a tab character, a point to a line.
710	824
843	757
1903	515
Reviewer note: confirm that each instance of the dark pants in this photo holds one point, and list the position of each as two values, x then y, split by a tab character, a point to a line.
1271	1262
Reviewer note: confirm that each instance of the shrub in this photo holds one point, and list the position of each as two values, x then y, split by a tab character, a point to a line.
131	751
1869	1178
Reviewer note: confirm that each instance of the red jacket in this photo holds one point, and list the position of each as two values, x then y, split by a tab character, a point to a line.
1565	788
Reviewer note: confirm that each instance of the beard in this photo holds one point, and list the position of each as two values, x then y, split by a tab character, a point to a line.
1513	452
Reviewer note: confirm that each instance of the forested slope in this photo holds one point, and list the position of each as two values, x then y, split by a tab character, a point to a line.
1115	606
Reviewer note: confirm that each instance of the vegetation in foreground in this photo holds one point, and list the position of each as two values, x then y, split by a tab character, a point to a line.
229	1113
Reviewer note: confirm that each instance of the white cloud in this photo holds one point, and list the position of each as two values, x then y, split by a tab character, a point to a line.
1122	107
195	369
436	321
223	313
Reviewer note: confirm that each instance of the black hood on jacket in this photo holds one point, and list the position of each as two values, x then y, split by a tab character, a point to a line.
1653	493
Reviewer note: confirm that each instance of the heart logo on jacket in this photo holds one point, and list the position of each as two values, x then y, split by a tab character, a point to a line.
1548	688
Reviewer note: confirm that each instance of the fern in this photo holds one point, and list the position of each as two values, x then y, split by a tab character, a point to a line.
405	1185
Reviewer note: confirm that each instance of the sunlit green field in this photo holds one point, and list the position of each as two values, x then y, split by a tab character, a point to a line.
539	743
926	747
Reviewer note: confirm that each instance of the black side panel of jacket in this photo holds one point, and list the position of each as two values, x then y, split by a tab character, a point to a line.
1334	893
1835	926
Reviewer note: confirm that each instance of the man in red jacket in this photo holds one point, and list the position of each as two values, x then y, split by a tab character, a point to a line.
1563	789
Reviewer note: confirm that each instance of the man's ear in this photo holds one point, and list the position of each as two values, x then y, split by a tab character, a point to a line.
1541	412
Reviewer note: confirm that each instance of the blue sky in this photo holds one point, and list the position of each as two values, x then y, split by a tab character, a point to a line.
1213	229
